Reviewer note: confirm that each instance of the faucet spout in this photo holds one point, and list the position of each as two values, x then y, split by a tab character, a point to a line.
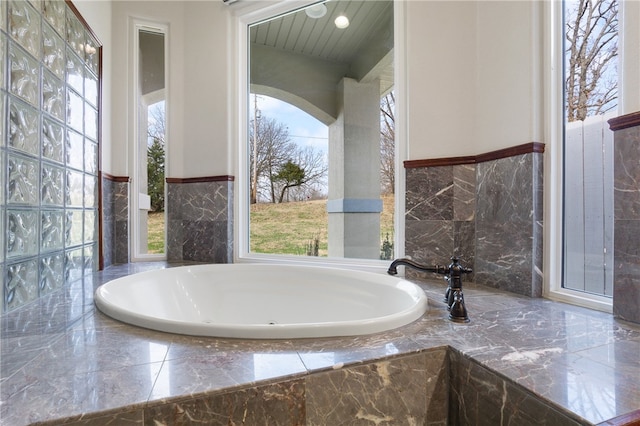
438	269
453	275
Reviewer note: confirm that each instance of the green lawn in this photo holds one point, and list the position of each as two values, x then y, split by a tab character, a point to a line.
155	233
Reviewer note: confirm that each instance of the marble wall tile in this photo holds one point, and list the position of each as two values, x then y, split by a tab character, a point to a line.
429	241
206	242
122	242
272	404
430	193
489	214
108	222
200	219
464	192
626	289
121	230
504	189
509	224
440	212
626	275
396	391
464	245
115	221
504	256
626	174
175	238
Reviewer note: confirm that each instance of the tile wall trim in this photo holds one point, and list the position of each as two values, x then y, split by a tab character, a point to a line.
625	121
112	178
201	179
527	148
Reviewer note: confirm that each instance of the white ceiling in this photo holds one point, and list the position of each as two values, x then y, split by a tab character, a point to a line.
366	43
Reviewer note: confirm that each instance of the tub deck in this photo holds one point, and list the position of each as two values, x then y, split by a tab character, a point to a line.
62	359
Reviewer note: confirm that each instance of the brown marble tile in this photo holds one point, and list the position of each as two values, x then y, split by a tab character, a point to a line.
387	393
273	404
59	396
118	418
482	397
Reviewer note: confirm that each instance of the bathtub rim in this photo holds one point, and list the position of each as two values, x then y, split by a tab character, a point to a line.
270	331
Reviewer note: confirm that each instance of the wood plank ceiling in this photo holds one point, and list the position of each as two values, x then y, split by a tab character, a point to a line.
319	38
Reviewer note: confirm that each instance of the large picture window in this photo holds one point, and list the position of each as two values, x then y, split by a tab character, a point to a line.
320	139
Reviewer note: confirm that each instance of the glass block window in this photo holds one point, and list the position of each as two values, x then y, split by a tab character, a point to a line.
49	149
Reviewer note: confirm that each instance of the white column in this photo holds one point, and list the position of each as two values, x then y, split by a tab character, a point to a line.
354	203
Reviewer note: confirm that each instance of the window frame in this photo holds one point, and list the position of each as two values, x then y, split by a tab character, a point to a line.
245	17
553	32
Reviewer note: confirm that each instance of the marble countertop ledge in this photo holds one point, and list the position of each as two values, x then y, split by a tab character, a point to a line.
61	358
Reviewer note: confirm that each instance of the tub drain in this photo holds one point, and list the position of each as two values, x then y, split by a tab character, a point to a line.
272	323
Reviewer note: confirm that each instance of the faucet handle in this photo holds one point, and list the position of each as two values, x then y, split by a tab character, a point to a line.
457	267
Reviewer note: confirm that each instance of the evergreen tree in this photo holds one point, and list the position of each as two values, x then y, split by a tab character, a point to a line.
155	174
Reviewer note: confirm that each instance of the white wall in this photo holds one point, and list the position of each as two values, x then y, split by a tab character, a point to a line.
197	121
473	75
630	57
124	13
473	78
207	86
509	78
441	84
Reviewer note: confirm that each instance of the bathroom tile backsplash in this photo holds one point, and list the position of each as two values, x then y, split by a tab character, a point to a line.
48	202
626	290
509	224
440	208
115	220
200	220
480	212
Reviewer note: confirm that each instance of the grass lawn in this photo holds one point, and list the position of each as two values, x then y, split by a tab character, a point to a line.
155	236
286	228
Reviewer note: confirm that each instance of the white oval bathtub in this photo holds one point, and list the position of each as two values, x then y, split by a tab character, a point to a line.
262	301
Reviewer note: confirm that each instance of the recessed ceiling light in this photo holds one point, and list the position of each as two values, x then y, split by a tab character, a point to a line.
342	22
316	11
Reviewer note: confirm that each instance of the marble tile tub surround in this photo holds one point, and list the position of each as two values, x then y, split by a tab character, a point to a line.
486	209
626	206
115	219
200	219
61	359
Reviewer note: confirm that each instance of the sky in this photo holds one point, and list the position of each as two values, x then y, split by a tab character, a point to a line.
304	130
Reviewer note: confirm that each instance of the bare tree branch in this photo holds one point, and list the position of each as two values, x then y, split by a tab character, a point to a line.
592	37
387	143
